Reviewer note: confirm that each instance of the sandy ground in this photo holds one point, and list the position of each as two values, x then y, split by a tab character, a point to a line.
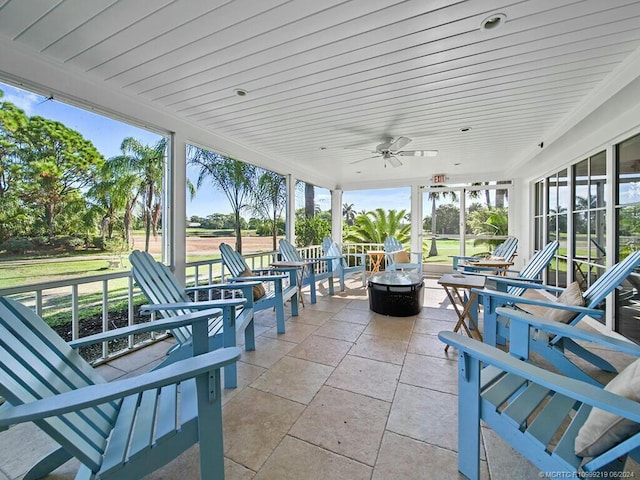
210	245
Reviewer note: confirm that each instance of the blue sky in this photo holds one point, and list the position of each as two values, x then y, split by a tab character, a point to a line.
107	135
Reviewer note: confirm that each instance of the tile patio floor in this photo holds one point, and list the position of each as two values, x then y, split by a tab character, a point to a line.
344	394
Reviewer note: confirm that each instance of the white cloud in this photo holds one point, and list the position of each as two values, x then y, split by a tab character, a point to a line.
27	101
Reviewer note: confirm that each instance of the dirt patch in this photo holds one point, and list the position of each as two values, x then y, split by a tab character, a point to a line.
209	245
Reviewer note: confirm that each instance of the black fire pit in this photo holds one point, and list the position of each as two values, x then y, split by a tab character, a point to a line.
395	293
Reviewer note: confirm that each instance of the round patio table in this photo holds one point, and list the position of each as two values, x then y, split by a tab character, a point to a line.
395	293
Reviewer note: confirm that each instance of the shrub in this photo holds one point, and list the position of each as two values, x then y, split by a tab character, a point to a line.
17	245
70	244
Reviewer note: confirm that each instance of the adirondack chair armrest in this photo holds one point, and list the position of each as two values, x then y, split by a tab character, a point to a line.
204	305
499	278
262	278
93	395
564	330
569	387
514	282
158	325
218	286
234	286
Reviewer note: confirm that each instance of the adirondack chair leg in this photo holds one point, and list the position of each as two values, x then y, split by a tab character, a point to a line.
588	356
210	426
490	319
48	464
469	417
229	340
312	284
249	337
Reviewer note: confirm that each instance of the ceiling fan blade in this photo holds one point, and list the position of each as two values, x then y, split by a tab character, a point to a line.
398	143
363	159
394	162
383	146
418	153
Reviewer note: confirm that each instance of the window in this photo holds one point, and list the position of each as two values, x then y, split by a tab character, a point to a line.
557	218
628	238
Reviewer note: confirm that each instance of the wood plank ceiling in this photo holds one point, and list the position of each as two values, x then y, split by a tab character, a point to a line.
328	80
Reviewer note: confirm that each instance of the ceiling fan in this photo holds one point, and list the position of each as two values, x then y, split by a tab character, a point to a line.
391	149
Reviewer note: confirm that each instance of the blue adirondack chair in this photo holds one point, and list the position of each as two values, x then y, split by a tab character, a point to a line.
537	412
310	276
553	349
274	297
506	251
341	265
125	429
391	247
160	286
531	272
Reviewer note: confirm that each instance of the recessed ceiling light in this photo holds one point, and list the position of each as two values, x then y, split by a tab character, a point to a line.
358	171
457	163
323	148
493	21
465	129
240	92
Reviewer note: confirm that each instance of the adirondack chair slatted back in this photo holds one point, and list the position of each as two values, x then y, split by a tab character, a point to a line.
536	265
158	284
391	244
507	249
289	252
334	251
610	280
36	363
232	260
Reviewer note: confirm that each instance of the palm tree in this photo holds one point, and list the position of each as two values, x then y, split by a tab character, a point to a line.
143	165
270	199
349	213
233	177
434	196
376	226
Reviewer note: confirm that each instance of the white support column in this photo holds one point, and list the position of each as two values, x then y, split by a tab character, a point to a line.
176	252
291	209
336	215
610	229
416	218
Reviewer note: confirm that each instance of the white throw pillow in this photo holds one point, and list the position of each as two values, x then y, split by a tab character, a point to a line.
602	430
572	295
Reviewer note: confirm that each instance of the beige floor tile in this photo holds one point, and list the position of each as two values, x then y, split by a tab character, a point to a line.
145	358
268	351
247	373
254	424
380	348
344	422
340	330
431	326
423	344
368	377
425	415
443	314
311	316
265	318
296	332
503	460
294	378
390	327
430	372
359	304
298	460
327	351
353	316
403	458
331	304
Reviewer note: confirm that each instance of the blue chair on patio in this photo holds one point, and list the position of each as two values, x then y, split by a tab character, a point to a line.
397	258
553	349
312	273
161	287
564	426
341	265
125	429
272	298
505	251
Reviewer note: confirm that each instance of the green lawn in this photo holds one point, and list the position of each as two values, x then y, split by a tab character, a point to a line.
447	248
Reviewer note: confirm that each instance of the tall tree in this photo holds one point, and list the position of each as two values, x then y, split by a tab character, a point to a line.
309	200
146	163
349	213
233	177
270	199
59	162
